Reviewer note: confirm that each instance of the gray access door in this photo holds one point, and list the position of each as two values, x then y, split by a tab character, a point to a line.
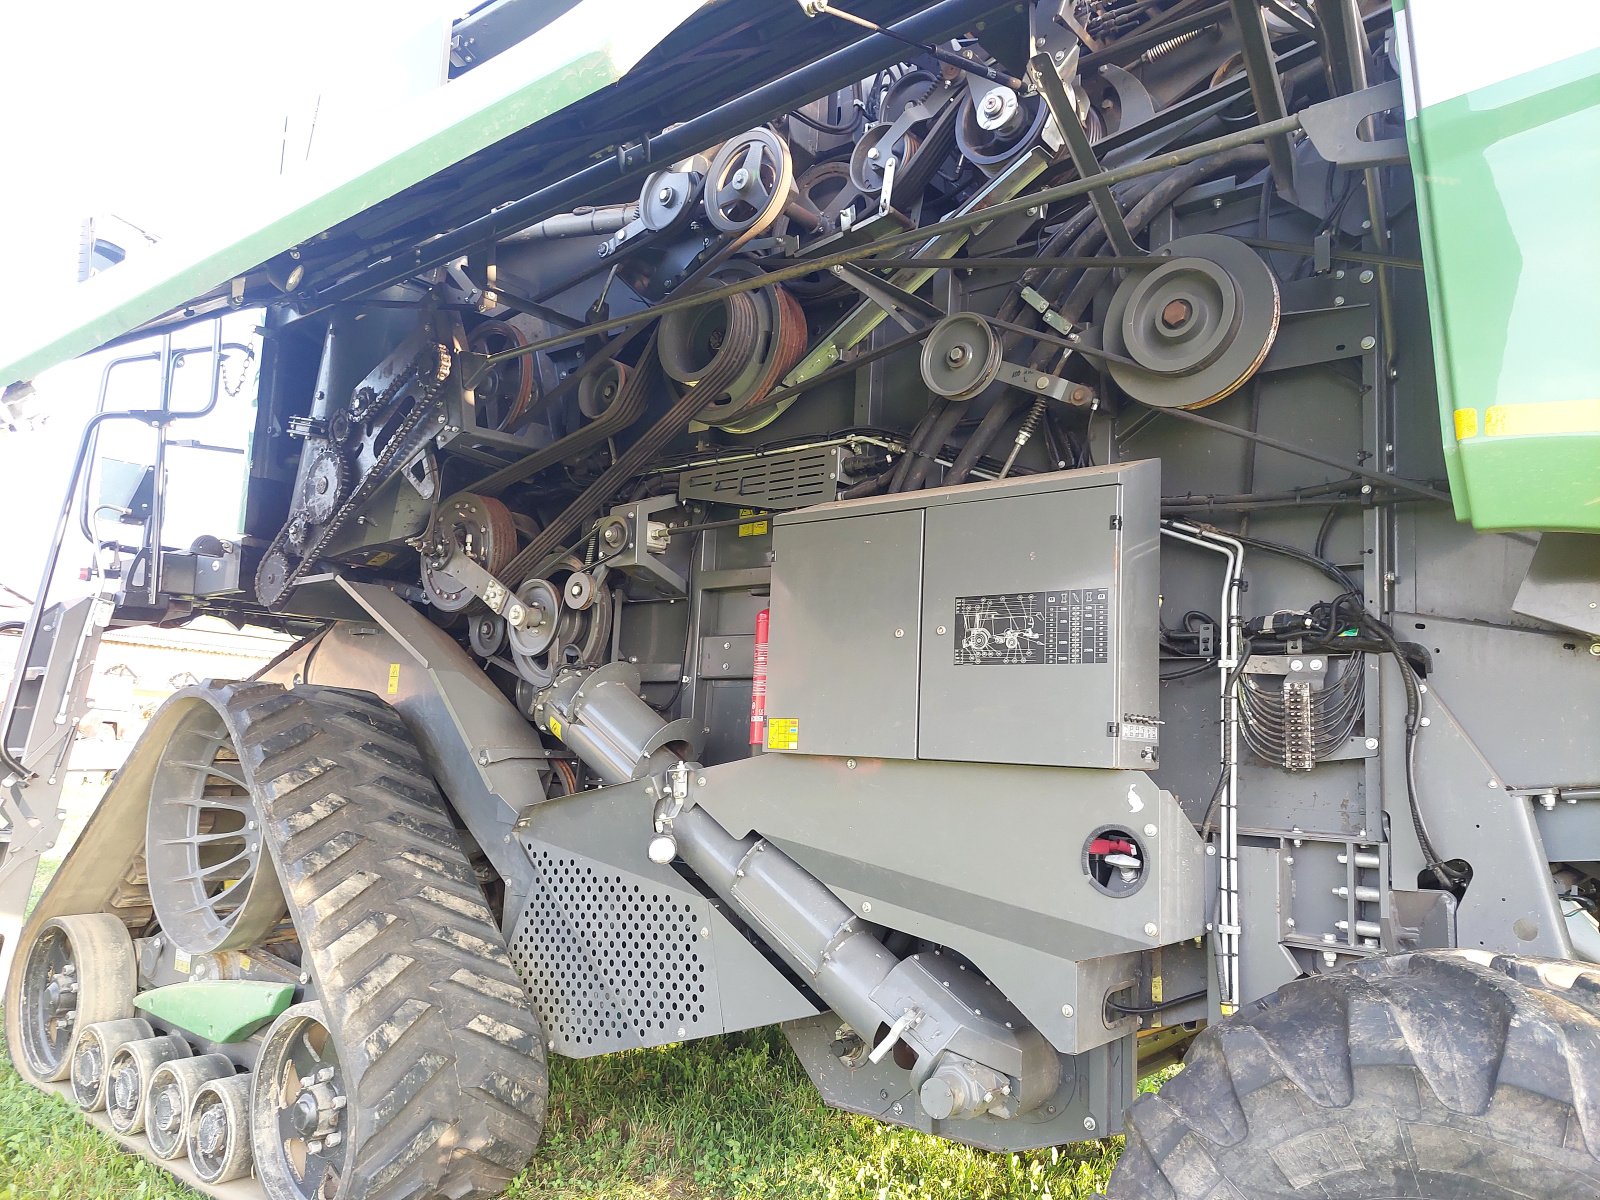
1019	630
845	600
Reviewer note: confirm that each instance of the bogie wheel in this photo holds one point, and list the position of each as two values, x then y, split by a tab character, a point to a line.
300	1109
77	971
1439	1075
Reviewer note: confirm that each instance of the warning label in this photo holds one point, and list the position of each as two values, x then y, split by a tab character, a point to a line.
1033	629
783	733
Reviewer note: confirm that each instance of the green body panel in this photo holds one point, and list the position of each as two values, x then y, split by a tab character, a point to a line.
574	57
218	1010
1507	180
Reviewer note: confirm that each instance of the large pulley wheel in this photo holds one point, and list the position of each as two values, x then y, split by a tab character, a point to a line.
503	392
569	629
212	885
479	527
750	183
77	971
961	356
693	345
300	1116
1195	326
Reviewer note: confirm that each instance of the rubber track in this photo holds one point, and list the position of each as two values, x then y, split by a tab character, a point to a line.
444	1059
1440	1074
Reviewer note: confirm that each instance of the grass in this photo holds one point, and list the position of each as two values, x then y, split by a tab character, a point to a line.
718	1119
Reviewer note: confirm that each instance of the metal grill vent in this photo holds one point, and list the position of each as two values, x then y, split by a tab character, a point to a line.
776	481
610	961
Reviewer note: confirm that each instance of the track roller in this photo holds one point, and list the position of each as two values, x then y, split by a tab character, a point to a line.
92	1052
78	971
299	1114
219	1129
128	1078
171	1095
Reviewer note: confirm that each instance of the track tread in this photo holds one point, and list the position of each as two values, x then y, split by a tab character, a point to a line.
441	1049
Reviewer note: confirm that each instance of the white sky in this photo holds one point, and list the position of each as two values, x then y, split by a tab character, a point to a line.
156	113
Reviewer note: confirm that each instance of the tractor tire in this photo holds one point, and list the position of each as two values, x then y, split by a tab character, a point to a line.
442	1057
1443	1075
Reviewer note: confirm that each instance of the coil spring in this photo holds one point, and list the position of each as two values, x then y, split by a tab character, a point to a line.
1163	48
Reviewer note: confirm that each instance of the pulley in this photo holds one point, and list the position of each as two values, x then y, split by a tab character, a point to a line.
750	183
691	345
479	527
502	393
1196	325
599	389
960	356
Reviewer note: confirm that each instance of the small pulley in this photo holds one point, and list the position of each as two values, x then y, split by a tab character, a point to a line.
750	183
960	356
1197	324
599	389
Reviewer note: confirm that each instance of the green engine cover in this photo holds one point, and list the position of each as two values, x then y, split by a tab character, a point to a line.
1505	143
218	1010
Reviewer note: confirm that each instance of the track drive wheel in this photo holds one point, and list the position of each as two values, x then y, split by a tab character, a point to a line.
77	971
1439	1075
421	1069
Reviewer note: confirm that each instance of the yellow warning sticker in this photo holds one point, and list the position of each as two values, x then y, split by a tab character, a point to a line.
1157	990
752	528
181	962
394	679
1466	423
555	726
783	733
381	558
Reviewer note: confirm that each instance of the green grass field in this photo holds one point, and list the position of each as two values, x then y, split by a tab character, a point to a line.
728	1117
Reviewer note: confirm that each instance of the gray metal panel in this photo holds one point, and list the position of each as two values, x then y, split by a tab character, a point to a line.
983	562
843	643
1563	582
983	859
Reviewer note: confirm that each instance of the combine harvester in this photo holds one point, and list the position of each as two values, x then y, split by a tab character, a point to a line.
1019	541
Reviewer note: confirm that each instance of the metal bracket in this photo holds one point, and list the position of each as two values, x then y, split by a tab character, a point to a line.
500	597
1042	70
1334	128
900	304
1266	89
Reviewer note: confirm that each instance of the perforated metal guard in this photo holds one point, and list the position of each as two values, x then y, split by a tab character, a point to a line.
613	960
777	481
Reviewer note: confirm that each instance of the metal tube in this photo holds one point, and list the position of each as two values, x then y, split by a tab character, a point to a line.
1227	926
579	223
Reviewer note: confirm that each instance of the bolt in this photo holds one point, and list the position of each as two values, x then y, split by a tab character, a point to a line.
1372	743
1211	851
1042	382
866	906
993	103
741	179
1595	649
1150	929
1338	301
701	781
899	633
665	195
1090	1124
898	1108
957	355
872	152
851	763
1367	343
1427	721
1149	831
1176	313
1066	1010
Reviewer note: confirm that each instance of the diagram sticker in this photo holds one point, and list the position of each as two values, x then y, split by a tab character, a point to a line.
1033	629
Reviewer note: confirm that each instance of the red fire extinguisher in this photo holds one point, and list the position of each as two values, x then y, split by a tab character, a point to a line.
758	681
